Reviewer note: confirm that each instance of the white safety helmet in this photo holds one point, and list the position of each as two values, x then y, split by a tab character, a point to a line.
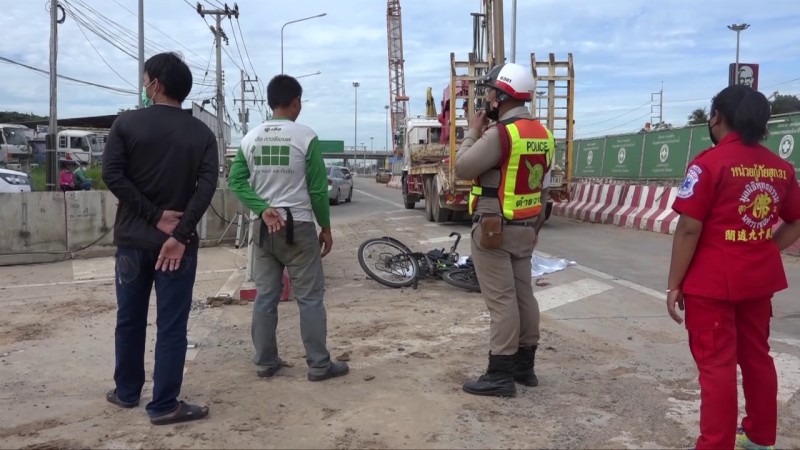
511	79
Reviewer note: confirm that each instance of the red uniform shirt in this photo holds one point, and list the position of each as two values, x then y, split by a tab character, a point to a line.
738	192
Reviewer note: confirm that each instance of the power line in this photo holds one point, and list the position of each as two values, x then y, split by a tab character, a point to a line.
591	124
600	133
101	56
89	83
153	27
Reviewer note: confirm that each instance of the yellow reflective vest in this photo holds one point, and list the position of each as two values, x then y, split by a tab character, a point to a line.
527	151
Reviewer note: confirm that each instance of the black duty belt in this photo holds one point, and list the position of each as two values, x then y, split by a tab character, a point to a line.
289	229
516	223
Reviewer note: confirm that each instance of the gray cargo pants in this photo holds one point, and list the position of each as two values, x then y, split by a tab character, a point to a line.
304	263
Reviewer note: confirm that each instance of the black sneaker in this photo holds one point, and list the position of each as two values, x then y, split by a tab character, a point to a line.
336	369
268	372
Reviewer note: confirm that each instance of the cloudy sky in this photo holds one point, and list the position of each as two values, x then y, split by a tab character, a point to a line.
623	50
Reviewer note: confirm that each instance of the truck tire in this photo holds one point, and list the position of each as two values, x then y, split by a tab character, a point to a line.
426	188
439	214
407	202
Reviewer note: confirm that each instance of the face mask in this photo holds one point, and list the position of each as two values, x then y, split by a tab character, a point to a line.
710	134
147	101
492	111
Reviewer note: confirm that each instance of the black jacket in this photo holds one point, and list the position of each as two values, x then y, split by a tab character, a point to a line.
159	158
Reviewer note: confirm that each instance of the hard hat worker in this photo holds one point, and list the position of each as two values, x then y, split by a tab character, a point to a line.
726	266
507	163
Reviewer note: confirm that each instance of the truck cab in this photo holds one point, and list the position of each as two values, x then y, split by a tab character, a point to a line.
14	144
81	146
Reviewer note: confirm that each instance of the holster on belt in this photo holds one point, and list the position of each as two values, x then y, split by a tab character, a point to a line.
289	229
491	231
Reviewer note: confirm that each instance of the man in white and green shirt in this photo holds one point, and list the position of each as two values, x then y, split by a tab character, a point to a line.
280	175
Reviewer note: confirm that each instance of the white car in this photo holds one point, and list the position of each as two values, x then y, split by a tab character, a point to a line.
12	181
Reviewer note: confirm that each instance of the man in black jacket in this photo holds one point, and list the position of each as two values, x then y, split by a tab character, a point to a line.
162	165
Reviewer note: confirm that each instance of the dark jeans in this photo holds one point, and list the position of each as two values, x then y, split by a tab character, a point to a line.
135	276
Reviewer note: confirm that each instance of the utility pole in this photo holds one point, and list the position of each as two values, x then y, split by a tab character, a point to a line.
51	161
513	31
141	51
219	34
660	106
738	28
244	113
356	84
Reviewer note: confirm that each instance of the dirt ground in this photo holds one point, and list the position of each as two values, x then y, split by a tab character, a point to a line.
409	352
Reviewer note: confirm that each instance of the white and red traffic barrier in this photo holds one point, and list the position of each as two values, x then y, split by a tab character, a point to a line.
648	208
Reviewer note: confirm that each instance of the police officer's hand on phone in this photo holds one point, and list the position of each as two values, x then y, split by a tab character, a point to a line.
479	121
675	296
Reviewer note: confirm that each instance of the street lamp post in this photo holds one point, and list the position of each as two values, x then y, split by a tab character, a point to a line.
738	28
291	22
387	127
539	95
356	84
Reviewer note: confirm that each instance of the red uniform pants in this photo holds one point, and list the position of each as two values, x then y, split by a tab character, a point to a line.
723	334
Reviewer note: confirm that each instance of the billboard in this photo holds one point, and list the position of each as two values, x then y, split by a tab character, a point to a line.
590	158
623	156
665	153
784	139
748	75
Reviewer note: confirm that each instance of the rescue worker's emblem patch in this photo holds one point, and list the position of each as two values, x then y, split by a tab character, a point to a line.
692	178
535	176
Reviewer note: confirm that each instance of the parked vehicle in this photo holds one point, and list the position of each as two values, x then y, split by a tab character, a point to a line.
383	176
12	181
340	185
14	143
81	146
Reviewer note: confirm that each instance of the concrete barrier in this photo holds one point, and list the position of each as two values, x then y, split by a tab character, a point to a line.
608	197
396	182
37	227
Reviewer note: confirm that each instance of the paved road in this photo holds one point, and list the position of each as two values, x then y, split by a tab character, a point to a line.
641	257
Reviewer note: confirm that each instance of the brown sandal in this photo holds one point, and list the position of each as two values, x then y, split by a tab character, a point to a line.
183	413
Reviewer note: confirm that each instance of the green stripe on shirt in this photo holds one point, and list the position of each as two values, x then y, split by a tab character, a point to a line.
317	179
239	183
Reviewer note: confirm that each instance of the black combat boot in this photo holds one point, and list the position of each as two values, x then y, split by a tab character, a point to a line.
523	366
498	381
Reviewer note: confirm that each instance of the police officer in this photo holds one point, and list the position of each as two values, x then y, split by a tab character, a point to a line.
507	164
726	266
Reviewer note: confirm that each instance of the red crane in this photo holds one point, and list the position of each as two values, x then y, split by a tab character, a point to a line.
397	78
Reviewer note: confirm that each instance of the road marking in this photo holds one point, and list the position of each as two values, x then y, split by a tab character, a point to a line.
792	342
231	287
97	280
88	269
608	277
788	368
443	239
392	219
686	411
558	296
378	198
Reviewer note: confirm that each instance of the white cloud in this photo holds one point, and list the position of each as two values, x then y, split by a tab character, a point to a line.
623	50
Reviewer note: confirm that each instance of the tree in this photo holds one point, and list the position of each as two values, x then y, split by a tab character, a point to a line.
13	117
783	104
698	116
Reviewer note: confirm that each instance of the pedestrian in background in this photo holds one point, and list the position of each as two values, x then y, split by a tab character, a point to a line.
726	266
508	163
280	175
161	163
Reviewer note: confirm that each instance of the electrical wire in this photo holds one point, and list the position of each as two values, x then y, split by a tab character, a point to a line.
101	56
89	83
616	117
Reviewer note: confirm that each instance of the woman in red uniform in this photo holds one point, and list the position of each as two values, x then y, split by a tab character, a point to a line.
726	266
